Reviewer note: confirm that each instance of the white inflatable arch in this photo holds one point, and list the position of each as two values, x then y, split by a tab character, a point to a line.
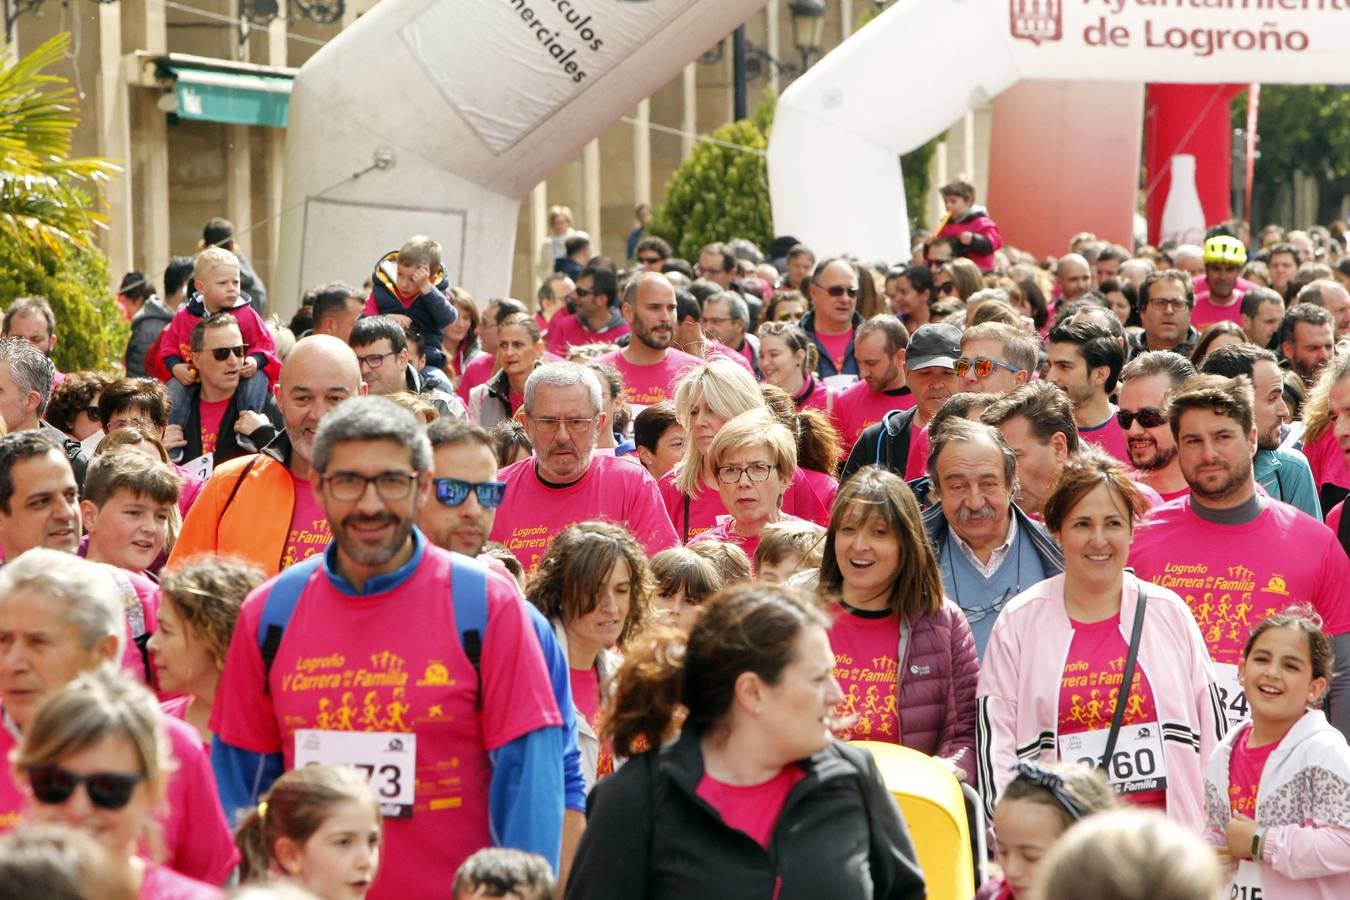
834	175
467	105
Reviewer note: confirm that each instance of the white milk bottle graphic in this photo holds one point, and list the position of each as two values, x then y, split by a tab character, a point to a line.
1183	218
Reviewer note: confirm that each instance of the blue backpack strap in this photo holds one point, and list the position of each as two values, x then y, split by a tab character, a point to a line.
278	608
468	592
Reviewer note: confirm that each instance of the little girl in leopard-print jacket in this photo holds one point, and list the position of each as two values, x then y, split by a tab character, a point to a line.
1277	789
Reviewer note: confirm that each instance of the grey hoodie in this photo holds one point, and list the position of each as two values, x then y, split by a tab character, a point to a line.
151	319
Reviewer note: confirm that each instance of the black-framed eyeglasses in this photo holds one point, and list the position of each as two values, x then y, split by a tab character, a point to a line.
53	786
838	290
757	472
788	315
650	260
983	365
349	486
1168	303
1041	777
223	353
551	426
1148	416
453	492
375	360
704	270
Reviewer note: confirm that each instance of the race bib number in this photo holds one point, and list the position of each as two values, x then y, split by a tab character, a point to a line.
201	466
1230	692
1246	881
388	759
1136	765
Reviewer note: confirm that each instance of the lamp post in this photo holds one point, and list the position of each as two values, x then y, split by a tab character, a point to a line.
808	27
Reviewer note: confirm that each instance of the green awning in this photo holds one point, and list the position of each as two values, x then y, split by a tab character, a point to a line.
212	95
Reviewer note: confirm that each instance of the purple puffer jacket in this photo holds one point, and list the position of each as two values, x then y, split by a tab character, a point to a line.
938	676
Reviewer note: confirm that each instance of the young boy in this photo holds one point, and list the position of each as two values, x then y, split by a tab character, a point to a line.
129	501
786	548
408	286
215	275
969	225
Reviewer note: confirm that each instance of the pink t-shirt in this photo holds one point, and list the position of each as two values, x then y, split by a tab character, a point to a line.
859	406
11	799
586	696
1093	672
211	414
1169	496
309	532
192	486
141	615
1231	576
1327	461
1109	436
836	345
1206	312
163	883
196	836
722	351
644	386
866	649
751	809
392	661
1334	517
917	464
725	530
814	395
477	372
806	498
1245	766
176	707
567	331
533	514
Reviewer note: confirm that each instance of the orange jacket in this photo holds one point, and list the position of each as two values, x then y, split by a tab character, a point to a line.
244	510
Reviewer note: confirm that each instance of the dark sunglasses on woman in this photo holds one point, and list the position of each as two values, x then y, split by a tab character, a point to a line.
53	786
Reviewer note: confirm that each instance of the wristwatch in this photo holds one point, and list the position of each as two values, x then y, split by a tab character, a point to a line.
1258	843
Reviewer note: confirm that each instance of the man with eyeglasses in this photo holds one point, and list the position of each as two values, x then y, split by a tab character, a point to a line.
833	321
988	550
1166	299
995	358
717	264
465	494
262	508
596	321
1144	384
726	318
62	616
649	365
219	426
381	348
392	655
566	481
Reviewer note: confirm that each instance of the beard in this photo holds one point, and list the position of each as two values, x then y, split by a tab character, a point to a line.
1233	481
656	341
1162	458
367	554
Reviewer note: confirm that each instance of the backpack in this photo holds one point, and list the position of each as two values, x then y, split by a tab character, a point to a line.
468	592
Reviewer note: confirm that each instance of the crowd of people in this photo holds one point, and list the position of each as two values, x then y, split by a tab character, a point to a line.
605	593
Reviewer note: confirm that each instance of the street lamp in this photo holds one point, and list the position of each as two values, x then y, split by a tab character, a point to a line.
808	27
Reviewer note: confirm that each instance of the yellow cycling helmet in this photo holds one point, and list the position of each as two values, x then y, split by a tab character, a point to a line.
1224	249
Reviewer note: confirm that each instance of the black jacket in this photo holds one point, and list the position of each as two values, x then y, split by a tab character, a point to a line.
227	442
839	836
885	444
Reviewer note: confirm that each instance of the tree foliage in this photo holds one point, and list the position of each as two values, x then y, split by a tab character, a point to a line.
50	211
1302	127
720	192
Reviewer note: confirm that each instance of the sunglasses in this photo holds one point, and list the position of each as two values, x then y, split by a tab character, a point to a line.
1149	417
582	292
453	492
788	316
650	260
223	353
983	366
947	287
53	786
93	413
839	290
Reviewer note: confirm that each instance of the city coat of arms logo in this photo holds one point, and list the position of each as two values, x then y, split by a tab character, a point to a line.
1036	20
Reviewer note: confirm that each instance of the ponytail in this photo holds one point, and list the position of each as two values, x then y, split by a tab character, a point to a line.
649	691
255	860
